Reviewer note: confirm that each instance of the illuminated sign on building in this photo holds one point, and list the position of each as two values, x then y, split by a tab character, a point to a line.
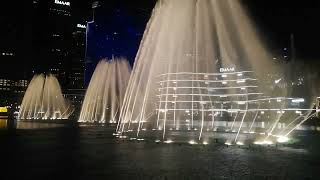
81	26
231	69
3	109
65	3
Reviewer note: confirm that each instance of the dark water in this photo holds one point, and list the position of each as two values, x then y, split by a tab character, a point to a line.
73	152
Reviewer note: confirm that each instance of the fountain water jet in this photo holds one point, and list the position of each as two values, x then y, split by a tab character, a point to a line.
44	100
105	93
193	72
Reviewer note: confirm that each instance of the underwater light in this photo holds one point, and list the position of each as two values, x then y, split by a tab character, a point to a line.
228	143
263	142
298	100
240	143
282	139
168	141
192	142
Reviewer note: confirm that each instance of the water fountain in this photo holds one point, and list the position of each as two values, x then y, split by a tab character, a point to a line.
105	93
44	100
201	69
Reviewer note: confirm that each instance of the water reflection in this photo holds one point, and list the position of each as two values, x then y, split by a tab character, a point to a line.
3	123
6	124
37	125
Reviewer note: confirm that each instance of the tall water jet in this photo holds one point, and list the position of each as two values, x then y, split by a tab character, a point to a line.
106	91
201	66
44	100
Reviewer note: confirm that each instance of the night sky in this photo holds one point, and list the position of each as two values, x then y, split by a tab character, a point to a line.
275	20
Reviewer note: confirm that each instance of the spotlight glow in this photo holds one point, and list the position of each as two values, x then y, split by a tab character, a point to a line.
263	142
228	143
299	100
168	141
282	139
205	143
240	143
192	142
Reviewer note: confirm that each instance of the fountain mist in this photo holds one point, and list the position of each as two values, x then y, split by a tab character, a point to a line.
105	93
43	100
201	66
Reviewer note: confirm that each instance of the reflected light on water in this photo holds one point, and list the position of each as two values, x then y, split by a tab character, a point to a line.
3	123
37	125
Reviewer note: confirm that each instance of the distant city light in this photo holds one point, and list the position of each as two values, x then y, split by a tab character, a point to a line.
3	109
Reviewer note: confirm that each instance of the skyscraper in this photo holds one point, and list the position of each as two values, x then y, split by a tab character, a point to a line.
76	75
52	28
115	31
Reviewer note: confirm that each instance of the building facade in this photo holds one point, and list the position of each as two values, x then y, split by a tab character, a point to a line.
12	91
52	37
59	41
